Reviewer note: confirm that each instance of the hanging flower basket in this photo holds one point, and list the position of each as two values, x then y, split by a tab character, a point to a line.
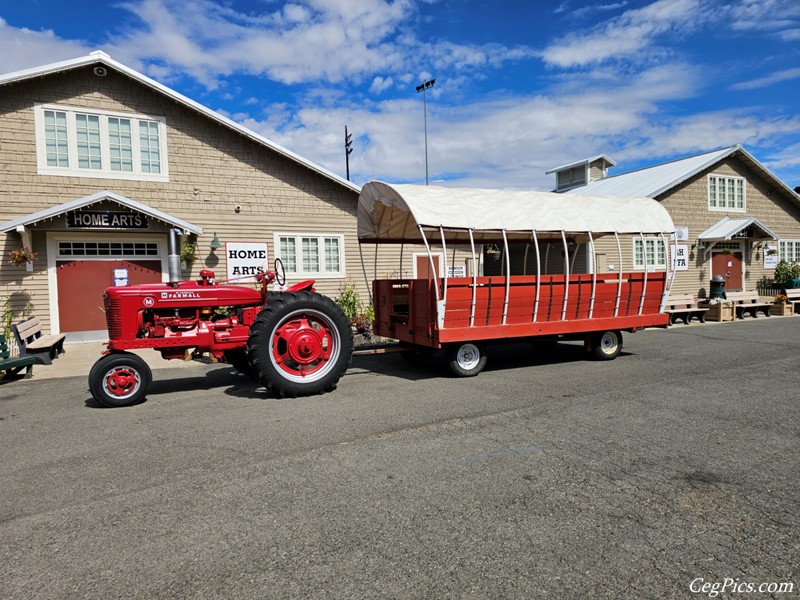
20	256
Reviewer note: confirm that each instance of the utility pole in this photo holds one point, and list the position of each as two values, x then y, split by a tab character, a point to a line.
348	149
421	88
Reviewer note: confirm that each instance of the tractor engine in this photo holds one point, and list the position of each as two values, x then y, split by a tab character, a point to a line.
189	314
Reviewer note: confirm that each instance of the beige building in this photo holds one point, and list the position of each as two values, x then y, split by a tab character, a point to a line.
100	162
734	217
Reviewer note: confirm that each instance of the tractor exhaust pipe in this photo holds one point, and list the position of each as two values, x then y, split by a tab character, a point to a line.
174	257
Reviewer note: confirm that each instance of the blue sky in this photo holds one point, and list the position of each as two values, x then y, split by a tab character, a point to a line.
521	87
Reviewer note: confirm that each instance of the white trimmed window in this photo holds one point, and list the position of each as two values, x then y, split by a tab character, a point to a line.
726	193
74	141
653	250
311	255
789	250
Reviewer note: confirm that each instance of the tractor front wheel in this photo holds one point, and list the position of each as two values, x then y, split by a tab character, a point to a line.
300	344
120	379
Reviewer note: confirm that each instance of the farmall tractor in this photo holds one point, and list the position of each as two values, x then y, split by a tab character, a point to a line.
296	342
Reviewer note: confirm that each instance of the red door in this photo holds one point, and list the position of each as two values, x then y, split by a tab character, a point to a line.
730	267
424	266
81	284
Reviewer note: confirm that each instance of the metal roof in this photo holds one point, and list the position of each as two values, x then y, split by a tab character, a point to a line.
101	58
653	181
584	161
726	228
55	211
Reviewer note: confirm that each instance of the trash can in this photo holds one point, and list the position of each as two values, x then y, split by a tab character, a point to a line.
794	284
717	287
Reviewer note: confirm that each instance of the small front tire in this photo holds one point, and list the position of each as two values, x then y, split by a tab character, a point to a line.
120	379
466	359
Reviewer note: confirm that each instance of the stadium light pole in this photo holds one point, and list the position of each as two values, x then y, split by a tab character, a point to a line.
422	88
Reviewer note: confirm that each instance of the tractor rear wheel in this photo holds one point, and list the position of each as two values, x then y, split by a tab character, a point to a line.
300	344
120	379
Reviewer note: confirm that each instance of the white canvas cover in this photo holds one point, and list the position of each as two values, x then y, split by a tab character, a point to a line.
392	213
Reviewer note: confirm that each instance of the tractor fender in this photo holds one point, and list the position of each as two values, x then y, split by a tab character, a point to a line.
308	284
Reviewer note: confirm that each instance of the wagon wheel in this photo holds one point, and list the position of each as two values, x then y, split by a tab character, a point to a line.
606	345
120	379
300	344
466	359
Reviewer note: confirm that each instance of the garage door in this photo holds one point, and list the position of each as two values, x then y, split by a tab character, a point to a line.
82	280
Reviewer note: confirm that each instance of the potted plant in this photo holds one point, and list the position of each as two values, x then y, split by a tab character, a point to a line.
719	309
780	306
21	256
189	252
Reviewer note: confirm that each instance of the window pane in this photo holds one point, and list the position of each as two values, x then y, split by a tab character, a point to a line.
712	191
289	254
120	144
310	255
638	254
149	147
87	130
332	255
55	133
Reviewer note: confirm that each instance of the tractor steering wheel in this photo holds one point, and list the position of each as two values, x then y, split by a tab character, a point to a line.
280	274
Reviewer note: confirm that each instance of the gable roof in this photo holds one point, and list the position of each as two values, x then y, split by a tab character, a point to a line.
651	182
583	161
99	58
55	211
726	228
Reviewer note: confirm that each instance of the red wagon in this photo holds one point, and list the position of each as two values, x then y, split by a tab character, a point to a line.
467	299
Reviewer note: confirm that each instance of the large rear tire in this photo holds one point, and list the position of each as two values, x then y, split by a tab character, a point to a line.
120	379
300	344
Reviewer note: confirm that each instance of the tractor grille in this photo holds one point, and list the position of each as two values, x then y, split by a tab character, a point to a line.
113	317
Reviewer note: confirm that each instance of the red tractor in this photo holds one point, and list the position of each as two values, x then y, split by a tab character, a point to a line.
297	342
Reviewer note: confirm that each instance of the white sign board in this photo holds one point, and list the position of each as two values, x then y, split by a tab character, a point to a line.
456	270
770	260
245	260
681	234
680	257
120	277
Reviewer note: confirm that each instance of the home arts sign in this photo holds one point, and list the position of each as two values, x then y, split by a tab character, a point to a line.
106	219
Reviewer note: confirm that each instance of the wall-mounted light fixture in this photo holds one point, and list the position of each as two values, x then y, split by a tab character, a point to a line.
215	243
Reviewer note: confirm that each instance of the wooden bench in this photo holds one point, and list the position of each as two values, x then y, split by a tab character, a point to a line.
748	302
12	365
32	342
793	299
683	306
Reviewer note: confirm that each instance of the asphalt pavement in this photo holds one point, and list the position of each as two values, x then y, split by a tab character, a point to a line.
672	469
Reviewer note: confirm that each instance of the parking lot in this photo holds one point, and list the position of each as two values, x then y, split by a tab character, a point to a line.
545	476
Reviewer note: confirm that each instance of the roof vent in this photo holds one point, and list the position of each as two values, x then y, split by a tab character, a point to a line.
100	71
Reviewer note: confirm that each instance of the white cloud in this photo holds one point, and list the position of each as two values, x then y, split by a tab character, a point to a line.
768	80
381	84
315	40
25	48
627	35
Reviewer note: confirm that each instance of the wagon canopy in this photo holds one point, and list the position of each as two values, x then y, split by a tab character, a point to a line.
394	212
